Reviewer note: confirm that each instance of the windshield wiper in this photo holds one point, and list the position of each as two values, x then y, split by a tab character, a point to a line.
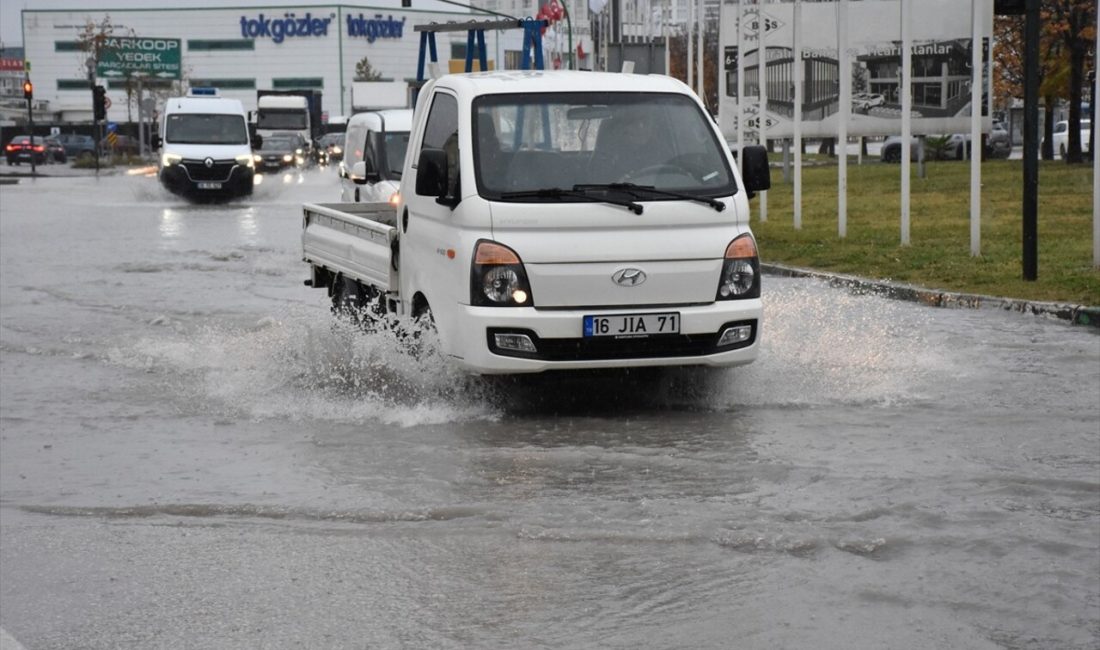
576	192
634	190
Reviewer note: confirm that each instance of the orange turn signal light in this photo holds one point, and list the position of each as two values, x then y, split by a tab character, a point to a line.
490	253
742	247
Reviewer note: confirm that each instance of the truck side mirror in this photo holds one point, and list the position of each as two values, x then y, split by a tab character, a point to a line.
755	172
155	141
257	141
359	173
431	173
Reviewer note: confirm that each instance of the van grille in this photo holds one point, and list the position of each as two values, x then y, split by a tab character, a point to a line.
219	171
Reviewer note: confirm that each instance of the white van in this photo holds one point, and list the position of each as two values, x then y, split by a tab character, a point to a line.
374	155
205	146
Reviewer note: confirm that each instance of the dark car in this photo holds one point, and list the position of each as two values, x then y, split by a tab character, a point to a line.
331	146
123	145
24	148
279	152
76	145
55	150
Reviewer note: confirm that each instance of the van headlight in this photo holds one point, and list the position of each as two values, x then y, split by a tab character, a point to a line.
497	277
287	157
245	160
169	159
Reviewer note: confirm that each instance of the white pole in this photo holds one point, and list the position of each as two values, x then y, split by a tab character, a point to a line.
740	82
906	116
845	112
1096	166
797	78
976	78
762	77
700	79
689	24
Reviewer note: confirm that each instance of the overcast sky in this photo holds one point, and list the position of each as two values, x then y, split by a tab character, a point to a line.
11	26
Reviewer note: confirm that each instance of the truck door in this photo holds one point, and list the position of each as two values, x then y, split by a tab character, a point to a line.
429	231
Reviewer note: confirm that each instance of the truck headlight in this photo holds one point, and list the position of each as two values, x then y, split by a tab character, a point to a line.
287	157
245	160
740	270
169	159
497	277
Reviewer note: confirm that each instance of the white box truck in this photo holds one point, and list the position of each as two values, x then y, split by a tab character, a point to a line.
557	220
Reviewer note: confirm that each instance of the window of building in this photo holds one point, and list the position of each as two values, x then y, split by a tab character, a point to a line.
227	84
146	84
74	84
204	45
67	46
292	83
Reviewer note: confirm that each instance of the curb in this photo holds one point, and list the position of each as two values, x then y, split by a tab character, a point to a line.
1075	314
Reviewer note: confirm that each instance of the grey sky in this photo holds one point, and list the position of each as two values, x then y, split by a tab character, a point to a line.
11	26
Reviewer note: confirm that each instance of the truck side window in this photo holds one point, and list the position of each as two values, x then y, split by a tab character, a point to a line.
441	132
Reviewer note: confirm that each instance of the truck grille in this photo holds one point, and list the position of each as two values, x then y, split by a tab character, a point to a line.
219	171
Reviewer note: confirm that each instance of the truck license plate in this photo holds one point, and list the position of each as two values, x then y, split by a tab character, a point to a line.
632	325
210	186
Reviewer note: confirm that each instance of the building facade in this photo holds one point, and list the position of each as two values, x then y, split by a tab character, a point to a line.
241	50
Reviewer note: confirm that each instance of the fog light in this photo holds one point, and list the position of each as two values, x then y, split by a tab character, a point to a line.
516	342
738	334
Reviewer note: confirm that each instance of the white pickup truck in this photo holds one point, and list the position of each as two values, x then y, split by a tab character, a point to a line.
557	220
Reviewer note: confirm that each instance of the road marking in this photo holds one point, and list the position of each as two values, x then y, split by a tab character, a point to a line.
8	642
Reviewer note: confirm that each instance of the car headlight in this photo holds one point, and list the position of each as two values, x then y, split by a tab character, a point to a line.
245	160
287	157
497	277
169	159
257	158
337	150
740	270
298	151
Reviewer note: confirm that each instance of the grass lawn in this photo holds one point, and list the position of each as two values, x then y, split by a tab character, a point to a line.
938	256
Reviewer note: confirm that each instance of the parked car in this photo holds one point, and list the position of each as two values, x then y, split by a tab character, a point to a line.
331	146
25	148
124	145
55	150
76	145
999	143
279	152
863	102
891	149
1060	139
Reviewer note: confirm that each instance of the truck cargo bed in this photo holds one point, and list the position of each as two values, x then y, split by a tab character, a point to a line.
353	239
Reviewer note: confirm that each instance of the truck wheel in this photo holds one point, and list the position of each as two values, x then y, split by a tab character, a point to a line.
347	298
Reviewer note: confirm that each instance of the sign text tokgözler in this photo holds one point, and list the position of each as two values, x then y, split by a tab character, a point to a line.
155	57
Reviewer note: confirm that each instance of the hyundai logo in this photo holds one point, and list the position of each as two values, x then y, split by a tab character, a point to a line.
209	162
628	277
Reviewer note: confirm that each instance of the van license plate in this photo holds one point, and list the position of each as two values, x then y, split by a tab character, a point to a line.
632	325
210	186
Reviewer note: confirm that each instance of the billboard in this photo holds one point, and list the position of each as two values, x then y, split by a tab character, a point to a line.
941	67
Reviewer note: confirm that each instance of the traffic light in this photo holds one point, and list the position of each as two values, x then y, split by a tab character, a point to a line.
28	89
99	103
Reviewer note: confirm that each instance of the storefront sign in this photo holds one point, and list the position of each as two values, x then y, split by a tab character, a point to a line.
374	28
289	26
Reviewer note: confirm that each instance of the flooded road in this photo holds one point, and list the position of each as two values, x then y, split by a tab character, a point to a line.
194	454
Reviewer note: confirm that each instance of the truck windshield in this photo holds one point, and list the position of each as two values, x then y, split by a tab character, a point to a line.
282	120
531	142
206	128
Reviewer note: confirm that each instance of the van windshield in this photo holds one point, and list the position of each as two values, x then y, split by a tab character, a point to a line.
524	143
206	128
282	120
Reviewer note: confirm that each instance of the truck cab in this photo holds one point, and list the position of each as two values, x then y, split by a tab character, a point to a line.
558	220
374	155
285	113
206	150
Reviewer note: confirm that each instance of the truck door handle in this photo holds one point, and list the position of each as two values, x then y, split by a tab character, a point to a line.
405	221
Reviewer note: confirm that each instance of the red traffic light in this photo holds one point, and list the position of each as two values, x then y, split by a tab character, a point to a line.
28	89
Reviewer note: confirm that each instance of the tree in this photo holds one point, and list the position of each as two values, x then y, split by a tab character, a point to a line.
364	71
1074	23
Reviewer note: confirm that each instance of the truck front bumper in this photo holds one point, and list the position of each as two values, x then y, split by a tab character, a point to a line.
558	340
